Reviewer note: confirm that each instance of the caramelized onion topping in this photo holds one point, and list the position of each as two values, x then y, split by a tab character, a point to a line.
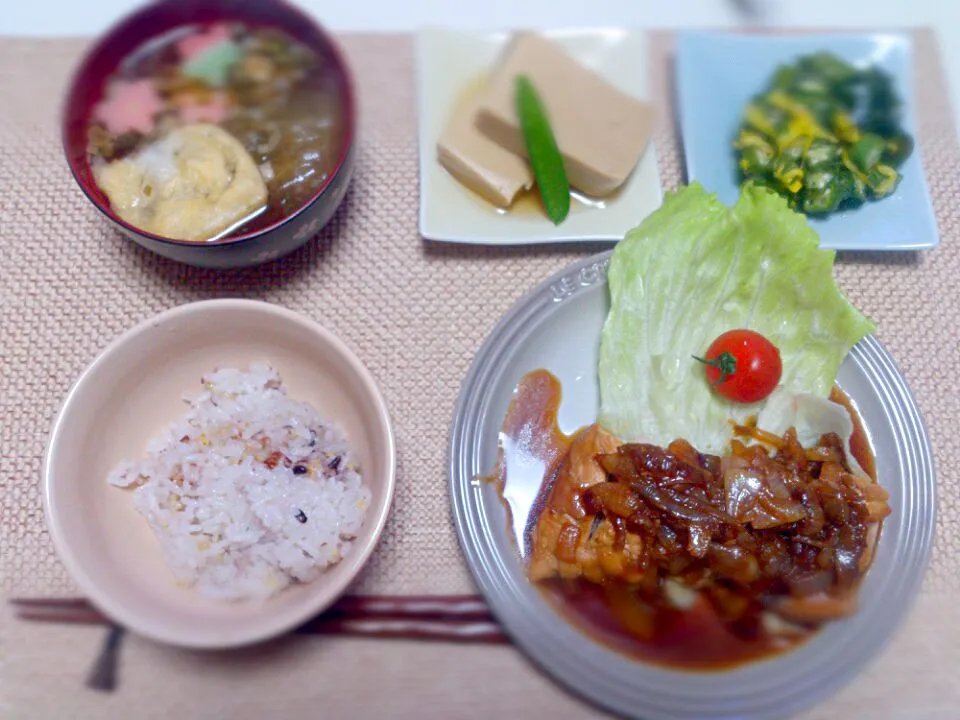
754	531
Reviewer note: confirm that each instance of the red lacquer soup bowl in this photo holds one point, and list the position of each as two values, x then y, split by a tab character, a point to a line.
262	243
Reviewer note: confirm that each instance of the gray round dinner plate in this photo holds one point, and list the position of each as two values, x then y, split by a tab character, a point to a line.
557	327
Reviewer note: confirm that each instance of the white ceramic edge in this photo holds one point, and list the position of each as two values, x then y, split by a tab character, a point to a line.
425	158
275	627
517	241
909	111
570	281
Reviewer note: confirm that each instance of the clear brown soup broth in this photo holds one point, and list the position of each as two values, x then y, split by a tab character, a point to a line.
693	639
291	118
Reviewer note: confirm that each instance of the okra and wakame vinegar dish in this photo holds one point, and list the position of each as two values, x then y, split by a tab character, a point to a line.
824	134
216	130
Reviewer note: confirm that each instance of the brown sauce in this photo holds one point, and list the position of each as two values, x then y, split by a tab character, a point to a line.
532	448
859	443
694	639
529	204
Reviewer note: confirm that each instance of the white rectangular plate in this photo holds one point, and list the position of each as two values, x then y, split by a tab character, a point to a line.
448	61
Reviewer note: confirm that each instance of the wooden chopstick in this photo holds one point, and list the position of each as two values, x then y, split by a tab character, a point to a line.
452	618
465	631
439	607
76	615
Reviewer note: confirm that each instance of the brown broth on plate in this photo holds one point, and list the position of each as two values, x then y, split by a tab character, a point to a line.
859	444
532	448
693	638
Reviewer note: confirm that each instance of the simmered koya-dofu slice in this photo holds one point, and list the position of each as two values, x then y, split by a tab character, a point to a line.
476	161
196	183
601	132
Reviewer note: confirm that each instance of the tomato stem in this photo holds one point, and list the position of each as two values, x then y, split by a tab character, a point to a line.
725	362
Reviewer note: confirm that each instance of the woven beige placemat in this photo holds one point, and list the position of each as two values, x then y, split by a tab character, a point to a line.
416	313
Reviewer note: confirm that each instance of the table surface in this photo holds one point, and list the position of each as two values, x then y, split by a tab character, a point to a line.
409	678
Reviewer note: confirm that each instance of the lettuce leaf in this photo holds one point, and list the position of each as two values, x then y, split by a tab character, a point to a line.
694	269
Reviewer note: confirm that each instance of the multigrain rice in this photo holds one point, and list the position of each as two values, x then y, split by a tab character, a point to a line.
249	491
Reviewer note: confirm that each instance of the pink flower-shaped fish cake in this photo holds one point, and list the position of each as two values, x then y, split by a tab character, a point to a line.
131	105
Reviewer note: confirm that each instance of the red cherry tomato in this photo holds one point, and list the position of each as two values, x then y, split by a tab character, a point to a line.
743	366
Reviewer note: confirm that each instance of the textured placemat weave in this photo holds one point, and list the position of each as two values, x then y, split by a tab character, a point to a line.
415	312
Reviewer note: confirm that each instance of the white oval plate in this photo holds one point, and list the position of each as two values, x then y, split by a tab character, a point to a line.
557	327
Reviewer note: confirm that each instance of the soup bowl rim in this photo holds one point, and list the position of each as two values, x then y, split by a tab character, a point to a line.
83	73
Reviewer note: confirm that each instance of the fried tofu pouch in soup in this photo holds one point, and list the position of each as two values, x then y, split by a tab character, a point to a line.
196	183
